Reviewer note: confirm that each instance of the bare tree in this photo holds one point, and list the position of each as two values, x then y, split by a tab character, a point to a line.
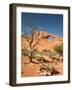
33	40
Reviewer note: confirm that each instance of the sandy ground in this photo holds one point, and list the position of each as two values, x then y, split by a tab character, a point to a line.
32	69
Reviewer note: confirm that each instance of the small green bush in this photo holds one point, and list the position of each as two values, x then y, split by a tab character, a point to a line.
59	49
25	52
38	56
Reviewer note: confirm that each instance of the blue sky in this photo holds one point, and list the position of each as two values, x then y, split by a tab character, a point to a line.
51	23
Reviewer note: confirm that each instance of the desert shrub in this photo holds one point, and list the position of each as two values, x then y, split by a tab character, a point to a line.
49	53
25	52
35	52
38	56
48	69
46	52
59	49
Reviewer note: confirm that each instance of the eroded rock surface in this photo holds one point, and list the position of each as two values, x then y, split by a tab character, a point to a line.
32	69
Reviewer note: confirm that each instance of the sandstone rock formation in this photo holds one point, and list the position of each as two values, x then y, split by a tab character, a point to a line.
44	42
31	69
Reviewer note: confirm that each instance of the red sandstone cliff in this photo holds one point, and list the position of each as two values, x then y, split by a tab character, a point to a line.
44	42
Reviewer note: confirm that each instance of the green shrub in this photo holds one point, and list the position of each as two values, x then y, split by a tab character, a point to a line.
38	56
25	52
59	49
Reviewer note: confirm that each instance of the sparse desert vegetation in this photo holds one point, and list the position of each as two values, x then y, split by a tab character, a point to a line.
41	58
